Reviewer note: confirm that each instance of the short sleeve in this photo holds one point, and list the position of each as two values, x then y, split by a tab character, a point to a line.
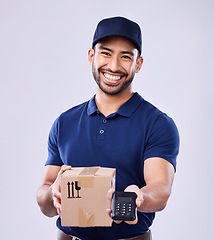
53	149
163	140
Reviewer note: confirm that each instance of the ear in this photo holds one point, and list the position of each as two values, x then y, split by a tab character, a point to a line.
139	64
91	56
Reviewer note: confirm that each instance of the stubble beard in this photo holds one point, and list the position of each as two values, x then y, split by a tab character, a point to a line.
112	92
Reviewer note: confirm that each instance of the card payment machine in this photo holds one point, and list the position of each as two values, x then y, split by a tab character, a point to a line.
124	206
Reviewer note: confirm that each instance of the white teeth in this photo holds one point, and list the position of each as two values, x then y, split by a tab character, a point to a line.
110	77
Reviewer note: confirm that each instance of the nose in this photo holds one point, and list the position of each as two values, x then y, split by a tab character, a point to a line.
114	64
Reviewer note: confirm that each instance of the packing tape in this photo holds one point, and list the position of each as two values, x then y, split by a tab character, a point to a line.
86	219
89	171
86	181
86	177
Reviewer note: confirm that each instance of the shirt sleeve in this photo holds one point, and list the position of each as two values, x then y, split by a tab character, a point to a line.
53	147
163	140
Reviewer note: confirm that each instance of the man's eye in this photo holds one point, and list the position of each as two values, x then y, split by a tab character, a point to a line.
105	53
126	57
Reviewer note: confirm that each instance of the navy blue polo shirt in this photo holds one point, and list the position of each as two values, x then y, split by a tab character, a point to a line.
84	137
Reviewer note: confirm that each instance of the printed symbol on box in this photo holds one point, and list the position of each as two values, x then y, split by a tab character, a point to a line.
77	189
71	189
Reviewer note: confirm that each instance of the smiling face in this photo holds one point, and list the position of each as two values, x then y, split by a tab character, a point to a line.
114	62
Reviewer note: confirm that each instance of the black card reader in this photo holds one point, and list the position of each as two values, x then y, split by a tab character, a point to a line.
124	206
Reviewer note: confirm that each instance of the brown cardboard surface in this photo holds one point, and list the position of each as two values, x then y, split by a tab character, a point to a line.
89	171
85	218
84	196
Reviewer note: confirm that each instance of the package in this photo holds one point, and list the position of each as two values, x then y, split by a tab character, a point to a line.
84	196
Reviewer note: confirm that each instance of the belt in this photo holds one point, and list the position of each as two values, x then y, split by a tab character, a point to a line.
145	236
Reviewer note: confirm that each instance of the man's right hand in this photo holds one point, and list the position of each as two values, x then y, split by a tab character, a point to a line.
56	189
49	193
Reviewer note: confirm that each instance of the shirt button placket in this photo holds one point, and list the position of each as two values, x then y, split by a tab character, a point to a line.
102	129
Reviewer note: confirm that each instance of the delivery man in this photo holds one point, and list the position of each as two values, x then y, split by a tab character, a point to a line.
116	128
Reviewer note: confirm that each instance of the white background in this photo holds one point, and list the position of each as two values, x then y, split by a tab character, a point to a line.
44	71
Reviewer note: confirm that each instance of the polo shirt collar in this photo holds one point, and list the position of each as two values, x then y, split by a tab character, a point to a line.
126	110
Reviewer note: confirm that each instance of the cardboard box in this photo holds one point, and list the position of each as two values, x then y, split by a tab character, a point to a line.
84	196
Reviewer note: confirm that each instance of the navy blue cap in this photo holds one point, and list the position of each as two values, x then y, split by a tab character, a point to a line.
118	26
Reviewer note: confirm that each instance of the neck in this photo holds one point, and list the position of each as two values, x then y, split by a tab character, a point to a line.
108	104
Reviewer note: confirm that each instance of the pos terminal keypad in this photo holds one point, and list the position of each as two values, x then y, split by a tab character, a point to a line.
124	206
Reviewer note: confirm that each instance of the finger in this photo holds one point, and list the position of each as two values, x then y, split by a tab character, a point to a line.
108	210
131	188
64	168
132	222
110	193
117	221
134	188
109	213
57	205
139	199
59	213
109	197
56	194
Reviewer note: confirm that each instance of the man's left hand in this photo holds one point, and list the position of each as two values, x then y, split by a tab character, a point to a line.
139	201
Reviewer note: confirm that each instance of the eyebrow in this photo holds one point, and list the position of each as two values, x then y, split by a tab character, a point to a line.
128	52
105	48
110	50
